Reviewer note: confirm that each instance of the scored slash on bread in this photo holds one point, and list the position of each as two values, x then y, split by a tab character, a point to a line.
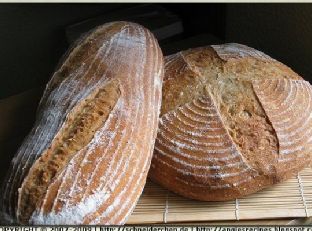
87	157
193	142
233	121
288	104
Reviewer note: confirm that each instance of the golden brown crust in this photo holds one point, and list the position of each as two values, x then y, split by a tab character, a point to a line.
288	105
77	131
190	152
103	105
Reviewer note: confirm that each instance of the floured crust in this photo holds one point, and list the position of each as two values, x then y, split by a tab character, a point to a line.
196	152
247	91
97	117
79	128
288	104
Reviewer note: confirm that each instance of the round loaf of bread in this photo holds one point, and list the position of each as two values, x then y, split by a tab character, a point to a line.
233	121
87	157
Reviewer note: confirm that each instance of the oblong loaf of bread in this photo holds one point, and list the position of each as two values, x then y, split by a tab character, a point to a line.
233	121
87	157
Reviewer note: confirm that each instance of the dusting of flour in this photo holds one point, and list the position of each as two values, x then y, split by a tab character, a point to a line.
73	214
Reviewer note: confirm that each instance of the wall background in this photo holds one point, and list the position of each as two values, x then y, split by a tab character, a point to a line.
32	40
283	31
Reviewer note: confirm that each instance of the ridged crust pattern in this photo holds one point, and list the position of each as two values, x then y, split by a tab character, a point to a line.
288	104
197	153
194	147
102	182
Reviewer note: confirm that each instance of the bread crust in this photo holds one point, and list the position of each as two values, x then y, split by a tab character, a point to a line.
233	121
87	157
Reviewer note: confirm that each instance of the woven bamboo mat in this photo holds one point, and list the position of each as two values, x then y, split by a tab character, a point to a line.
291	199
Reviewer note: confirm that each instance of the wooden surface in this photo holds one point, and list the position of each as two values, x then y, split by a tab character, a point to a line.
283	202
17	115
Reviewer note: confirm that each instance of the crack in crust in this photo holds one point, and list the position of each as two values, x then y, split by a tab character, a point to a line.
85	177
288	104
229	74
194	144
77	131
